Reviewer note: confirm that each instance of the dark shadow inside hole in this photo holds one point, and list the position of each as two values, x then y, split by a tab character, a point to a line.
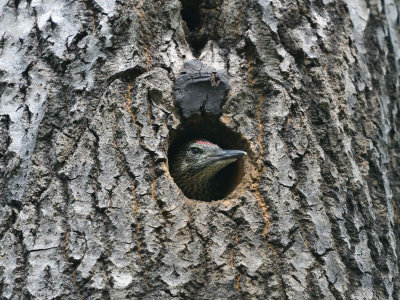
191	13
201	18
216	132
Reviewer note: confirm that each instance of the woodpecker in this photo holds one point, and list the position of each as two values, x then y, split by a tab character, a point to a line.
195	164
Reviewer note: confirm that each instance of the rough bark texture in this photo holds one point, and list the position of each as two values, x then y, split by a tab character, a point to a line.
88	208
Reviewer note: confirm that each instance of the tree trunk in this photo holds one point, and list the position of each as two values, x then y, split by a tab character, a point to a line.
88	207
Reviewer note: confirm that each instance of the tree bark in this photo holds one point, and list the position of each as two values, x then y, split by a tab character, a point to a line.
88	208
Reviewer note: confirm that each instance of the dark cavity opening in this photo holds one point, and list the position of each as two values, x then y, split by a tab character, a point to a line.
191	13
213	130
200	17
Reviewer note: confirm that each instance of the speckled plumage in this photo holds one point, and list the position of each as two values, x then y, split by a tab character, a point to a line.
195	164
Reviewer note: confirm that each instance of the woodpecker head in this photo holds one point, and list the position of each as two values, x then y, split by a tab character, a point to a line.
195	164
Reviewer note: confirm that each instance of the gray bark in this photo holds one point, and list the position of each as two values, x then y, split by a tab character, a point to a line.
88	208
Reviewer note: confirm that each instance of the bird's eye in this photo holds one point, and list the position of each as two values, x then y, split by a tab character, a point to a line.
194	150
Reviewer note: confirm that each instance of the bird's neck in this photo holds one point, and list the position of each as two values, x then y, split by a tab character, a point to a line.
198	186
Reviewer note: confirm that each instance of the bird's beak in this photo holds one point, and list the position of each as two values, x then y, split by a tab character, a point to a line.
228	155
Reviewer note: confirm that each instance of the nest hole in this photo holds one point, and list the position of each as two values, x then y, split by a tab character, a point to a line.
215	131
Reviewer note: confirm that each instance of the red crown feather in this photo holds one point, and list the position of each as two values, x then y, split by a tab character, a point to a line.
204	142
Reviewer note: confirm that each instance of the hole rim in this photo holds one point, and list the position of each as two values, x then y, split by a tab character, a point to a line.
190	128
